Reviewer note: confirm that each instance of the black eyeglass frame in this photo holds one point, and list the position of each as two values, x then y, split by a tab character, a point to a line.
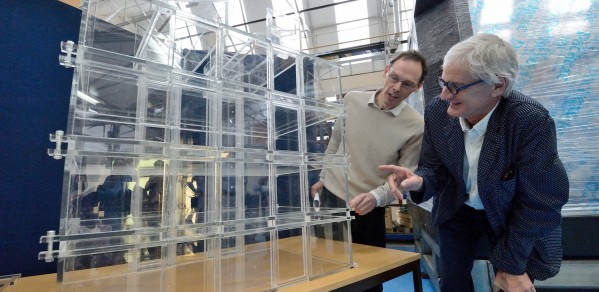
395	79
453	87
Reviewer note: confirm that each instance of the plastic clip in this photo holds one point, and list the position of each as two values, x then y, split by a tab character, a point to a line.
58	137
48	255
69	49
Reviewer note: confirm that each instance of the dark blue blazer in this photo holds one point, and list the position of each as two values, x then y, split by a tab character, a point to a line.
521	181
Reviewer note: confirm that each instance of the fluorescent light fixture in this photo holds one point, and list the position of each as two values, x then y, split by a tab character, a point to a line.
360	62
87	98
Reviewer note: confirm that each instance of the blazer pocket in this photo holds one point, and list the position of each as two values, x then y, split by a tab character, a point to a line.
508	174
506	191
509	184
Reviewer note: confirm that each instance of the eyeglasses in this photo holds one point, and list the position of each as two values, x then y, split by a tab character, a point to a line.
408	85
453	88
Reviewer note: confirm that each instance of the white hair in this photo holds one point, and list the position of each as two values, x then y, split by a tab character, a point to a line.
486	57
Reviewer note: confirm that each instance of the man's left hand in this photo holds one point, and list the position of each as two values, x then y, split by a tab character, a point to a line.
363	203
512	283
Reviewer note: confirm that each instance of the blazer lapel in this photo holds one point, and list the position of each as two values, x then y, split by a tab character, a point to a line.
455	139
491	144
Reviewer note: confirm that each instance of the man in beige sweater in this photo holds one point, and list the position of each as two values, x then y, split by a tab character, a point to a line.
380	128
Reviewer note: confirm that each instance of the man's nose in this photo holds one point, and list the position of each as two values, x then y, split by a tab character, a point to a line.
397	86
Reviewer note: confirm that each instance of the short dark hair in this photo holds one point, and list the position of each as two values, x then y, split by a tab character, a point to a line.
413	55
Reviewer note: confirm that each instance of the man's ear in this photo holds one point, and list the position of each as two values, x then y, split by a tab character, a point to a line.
499	88
385	72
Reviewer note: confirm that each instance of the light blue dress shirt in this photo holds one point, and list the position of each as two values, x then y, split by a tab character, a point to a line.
473	142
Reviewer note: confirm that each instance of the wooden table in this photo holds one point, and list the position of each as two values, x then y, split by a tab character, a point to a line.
373	266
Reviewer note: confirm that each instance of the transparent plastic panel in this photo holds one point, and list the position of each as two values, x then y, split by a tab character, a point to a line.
245	59
112	194
101	192
245	188
320	79
244	120
195	45
287	122
95	15
285	28
195	270
290	189
113	104
291	247
246	267
190	153
151	31
137	29
197	123
329	246
320	117
285	70
117	278
196	198
103	210
314	167
131	212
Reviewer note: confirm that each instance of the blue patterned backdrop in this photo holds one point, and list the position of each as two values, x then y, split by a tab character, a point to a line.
558	48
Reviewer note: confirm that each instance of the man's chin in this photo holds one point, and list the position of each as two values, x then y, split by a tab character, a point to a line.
452	112
393	101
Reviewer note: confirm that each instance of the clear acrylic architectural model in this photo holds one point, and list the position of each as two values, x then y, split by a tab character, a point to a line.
189	154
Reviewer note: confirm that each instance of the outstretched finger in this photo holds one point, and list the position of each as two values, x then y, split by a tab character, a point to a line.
392	181
398	195
389	168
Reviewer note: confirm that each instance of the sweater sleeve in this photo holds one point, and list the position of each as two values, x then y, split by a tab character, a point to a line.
409	156
334	142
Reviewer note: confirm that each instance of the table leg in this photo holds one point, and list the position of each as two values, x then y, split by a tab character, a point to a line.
417	277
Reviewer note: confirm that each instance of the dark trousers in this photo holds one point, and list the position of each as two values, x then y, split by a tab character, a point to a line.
459	242
368	229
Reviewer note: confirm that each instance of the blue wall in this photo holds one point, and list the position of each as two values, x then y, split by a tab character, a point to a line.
34	99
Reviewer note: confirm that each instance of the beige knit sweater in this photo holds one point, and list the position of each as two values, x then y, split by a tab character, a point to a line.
373	137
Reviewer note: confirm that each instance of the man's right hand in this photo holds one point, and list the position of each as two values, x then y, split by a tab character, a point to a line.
316	188
402	179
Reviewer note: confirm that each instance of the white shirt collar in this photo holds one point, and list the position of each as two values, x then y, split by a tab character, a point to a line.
395	111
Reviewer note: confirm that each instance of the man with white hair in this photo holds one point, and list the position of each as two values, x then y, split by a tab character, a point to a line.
489	159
